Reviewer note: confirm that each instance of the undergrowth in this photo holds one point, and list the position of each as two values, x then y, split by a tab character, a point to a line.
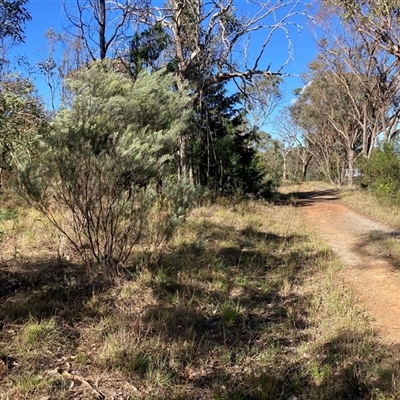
246	303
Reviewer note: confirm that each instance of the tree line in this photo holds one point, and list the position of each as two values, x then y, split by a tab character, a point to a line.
348	110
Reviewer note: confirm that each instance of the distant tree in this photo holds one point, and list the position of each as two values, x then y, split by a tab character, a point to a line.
348	49
105	177
64	55
375	103
295	148
323	110
261	96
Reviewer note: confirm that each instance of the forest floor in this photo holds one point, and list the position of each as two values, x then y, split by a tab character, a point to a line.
362	246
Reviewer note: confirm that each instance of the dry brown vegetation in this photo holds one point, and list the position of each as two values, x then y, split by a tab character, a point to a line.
367	203
246	303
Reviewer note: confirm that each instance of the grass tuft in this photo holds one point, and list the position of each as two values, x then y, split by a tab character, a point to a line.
39	334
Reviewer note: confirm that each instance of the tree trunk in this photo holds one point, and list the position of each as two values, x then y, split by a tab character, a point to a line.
350	171
304	168
182	171
284	157
102	29
305	162
284	176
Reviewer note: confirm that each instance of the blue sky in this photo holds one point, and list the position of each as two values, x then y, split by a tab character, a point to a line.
48	14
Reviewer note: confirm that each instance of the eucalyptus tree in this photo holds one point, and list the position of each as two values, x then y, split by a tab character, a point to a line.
261	96
102	25
206	37
368	78
13	17
348	50
322	142
377	19
213	43
376	102
352	99
22	115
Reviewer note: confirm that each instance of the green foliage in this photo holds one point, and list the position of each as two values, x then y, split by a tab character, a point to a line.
146	48
38	333
381	173
13	16
22	119
370	10
223	150
270	163
230	313
105	179
8	214
242	169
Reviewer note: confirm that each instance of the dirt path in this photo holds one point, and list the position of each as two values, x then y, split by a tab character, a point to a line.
371	273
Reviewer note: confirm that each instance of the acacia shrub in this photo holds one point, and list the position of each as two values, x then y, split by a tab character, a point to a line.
105	175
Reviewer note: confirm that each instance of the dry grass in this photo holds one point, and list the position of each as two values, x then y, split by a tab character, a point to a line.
367	203
245	304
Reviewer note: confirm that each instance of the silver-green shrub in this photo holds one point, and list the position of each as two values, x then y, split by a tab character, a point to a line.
106	177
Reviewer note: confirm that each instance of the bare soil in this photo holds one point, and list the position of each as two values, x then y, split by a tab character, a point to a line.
357	240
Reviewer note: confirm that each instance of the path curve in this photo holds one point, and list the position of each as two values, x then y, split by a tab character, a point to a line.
373	275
